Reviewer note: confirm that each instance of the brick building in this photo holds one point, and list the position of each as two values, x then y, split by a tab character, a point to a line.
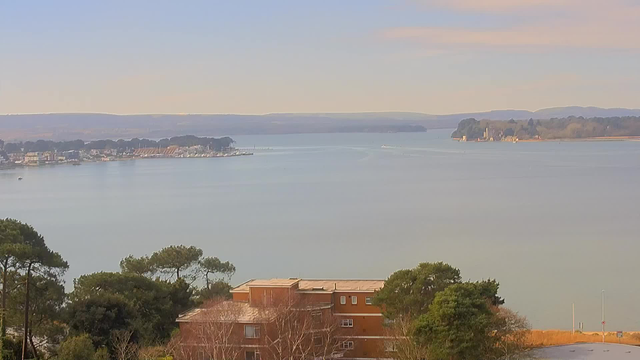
344	321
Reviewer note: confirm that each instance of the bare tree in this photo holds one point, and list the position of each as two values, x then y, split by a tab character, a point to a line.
400	343
122	346
215	332
327	335
152	353
511	333
287	330
298	330
219	330
178	347
174	346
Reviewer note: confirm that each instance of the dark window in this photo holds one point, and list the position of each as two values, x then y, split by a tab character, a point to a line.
252	355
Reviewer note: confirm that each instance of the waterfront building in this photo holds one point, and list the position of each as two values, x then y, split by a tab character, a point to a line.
33	158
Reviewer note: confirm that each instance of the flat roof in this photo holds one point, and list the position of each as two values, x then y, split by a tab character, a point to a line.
594	351
315	284
341	285
273	282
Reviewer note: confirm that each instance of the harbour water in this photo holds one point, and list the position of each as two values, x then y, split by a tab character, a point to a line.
554	223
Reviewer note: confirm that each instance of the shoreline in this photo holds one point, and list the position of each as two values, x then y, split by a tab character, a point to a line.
601	138
77	163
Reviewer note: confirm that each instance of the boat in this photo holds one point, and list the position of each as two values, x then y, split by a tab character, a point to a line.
76	164
19	177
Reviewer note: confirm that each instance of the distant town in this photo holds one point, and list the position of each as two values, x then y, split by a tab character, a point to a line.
75	152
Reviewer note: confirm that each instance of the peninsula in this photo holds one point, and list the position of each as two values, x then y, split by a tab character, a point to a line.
46	152
550	129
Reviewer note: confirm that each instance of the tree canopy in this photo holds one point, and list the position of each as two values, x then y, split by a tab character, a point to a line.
76	348
210	266
147	306
176	260
459	323
410	292
436	316
23	252
132	301
139	266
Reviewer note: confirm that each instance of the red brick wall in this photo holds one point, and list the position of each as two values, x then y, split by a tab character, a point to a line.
361	307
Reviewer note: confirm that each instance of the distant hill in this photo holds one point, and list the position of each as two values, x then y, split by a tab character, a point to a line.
104	126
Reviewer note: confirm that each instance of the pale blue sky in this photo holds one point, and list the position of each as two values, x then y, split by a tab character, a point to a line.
253	57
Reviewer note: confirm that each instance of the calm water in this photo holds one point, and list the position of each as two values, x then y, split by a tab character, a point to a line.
555	223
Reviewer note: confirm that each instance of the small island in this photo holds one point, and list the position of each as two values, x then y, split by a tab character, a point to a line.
611	128
46	152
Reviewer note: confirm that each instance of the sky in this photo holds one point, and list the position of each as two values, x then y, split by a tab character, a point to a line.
256	57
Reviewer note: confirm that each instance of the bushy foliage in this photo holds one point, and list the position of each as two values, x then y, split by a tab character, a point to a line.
76	348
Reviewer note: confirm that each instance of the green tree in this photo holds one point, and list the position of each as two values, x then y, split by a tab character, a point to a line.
97	316
140	266
216	290
177	260
212	266
11	245
45	319
181	295
101	354
489	289
12	349
33	256
76	348
460	324
410	292
152	305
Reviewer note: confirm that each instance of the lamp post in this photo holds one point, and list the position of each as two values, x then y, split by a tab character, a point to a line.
603	318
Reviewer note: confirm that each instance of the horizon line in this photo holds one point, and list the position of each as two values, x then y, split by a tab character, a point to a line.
319	113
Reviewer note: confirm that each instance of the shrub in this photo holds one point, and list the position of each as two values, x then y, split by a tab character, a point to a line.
76	348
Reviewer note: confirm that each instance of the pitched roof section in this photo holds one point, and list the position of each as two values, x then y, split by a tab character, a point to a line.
315	285
228	311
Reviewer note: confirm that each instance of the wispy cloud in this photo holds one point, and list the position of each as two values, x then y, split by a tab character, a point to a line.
602	24
498	5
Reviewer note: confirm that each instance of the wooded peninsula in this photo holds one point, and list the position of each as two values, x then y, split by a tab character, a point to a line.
551	129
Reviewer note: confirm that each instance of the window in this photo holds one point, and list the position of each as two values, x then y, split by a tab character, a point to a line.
317	340
388	322
354	300
343	300
346	322
251	331
252	355
390	346
347	345
316	318
368	300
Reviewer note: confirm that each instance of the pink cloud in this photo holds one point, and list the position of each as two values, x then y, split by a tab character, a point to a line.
603	24
517	5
